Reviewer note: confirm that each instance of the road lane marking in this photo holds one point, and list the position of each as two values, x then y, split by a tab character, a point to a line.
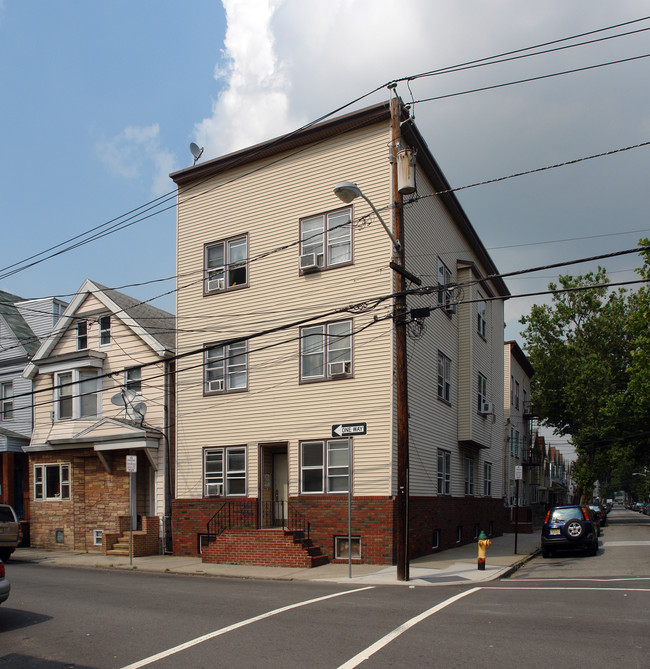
230	628
391	636
524	587
609	544
584	580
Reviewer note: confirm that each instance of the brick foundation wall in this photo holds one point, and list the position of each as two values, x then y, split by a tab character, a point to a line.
373	519
97	500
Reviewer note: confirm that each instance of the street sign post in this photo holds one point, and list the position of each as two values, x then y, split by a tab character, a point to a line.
131	468
349	429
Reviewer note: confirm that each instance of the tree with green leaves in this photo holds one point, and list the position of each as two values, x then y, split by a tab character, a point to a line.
591	352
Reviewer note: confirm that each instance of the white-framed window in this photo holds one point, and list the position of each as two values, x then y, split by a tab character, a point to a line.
328	237
7	400
326	351
469	475
516	394
133	379
82	335
481	316
444	472
97	537
342	548
481	389
226	264
444	377
487	479
224	471
52	482
226	368
324	466
435	539
77	394
105	331
57	311
444	279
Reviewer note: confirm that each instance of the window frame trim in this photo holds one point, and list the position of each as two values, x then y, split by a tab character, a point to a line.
75	393
224	470
43	483
325	214
325	466
325	352
225	241
226	357
6	399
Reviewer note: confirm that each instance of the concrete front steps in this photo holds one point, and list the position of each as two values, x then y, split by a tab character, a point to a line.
273	547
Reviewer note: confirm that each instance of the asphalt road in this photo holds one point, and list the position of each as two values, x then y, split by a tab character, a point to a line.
569	611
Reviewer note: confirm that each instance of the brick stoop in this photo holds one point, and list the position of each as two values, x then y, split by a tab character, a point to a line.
267	547
145	541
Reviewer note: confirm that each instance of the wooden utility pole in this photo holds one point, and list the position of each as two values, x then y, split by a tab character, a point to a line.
402	529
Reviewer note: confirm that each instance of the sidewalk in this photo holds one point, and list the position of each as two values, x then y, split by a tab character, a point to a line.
453	566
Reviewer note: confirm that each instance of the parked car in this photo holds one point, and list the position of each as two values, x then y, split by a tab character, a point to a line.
570	528
638	506
600	514
4	584
10	532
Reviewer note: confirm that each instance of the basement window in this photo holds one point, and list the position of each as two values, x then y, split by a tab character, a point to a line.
58	537
341	545
435	541
97	537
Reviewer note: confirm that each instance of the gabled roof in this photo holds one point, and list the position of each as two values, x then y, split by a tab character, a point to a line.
154	326
17	324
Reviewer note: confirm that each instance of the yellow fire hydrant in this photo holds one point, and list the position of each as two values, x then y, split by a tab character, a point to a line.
483	544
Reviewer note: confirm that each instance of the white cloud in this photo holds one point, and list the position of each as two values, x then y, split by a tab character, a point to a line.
133	152
255	102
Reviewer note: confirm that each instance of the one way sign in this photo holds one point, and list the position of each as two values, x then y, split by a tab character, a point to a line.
349	429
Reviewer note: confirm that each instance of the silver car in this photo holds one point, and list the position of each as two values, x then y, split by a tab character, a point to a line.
4	584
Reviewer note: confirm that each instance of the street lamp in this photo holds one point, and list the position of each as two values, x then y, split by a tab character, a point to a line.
347	191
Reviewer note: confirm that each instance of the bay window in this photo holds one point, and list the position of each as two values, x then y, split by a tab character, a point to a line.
77	394
7	400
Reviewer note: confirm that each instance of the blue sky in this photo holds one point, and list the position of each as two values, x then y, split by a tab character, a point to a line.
100	101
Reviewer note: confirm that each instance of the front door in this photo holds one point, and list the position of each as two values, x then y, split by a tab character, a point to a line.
280	489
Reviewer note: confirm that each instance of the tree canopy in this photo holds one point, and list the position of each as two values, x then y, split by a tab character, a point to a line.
590	350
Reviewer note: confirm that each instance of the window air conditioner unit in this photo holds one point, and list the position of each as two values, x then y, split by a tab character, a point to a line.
311	262
487	408
216	284
450	307
214	489
215	385
338	368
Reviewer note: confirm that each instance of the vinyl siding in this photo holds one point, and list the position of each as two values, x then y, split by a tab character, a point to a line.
267	205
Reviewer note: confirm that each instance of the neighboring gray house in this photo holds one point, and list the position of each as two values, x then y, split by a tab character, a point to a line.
24	324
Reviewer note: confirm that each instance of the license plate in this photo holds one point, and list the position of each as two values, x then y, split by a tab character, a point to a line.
554	531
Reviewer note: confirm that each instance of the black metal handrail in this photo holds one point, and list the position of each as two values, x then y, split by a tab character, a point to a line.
253	514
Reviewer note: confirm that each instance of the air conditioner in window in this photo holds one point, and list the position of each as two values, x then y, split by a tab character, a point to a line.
338	368
216	284
214	489
215	385
450	308
487	408
311	262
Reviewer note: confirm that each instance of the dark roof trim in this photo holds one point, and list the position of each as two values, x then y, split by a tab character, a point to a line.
521	358
292	140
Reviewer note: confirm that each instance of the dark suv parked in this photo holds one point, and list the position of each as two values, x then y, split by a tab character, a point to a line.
570	528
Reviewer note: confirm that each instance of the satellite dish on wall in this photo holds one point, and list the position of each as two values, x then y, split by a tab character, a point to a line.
121	399
196	150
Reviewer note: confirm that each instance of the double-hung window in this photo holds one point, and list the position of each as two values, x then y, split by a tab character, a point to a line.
324	466
469	475
326	351
444	377
133	379
224	471
481	316
516	394
326	239
104	330
444	472
226	368
77	394
82	335
487	479
52	481
7	400
444	281
226	264
481	392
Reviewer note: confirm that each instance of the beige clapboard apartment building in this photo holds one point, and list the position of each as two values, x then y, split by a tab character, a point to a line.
103	383
284	311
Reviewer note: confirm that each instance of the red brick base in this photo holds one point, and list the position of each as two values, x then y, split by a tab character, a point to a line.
373	520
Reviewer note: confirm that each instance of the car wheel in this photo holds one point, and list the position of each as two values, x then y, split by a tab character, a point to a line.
574	529
5	554
546	553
